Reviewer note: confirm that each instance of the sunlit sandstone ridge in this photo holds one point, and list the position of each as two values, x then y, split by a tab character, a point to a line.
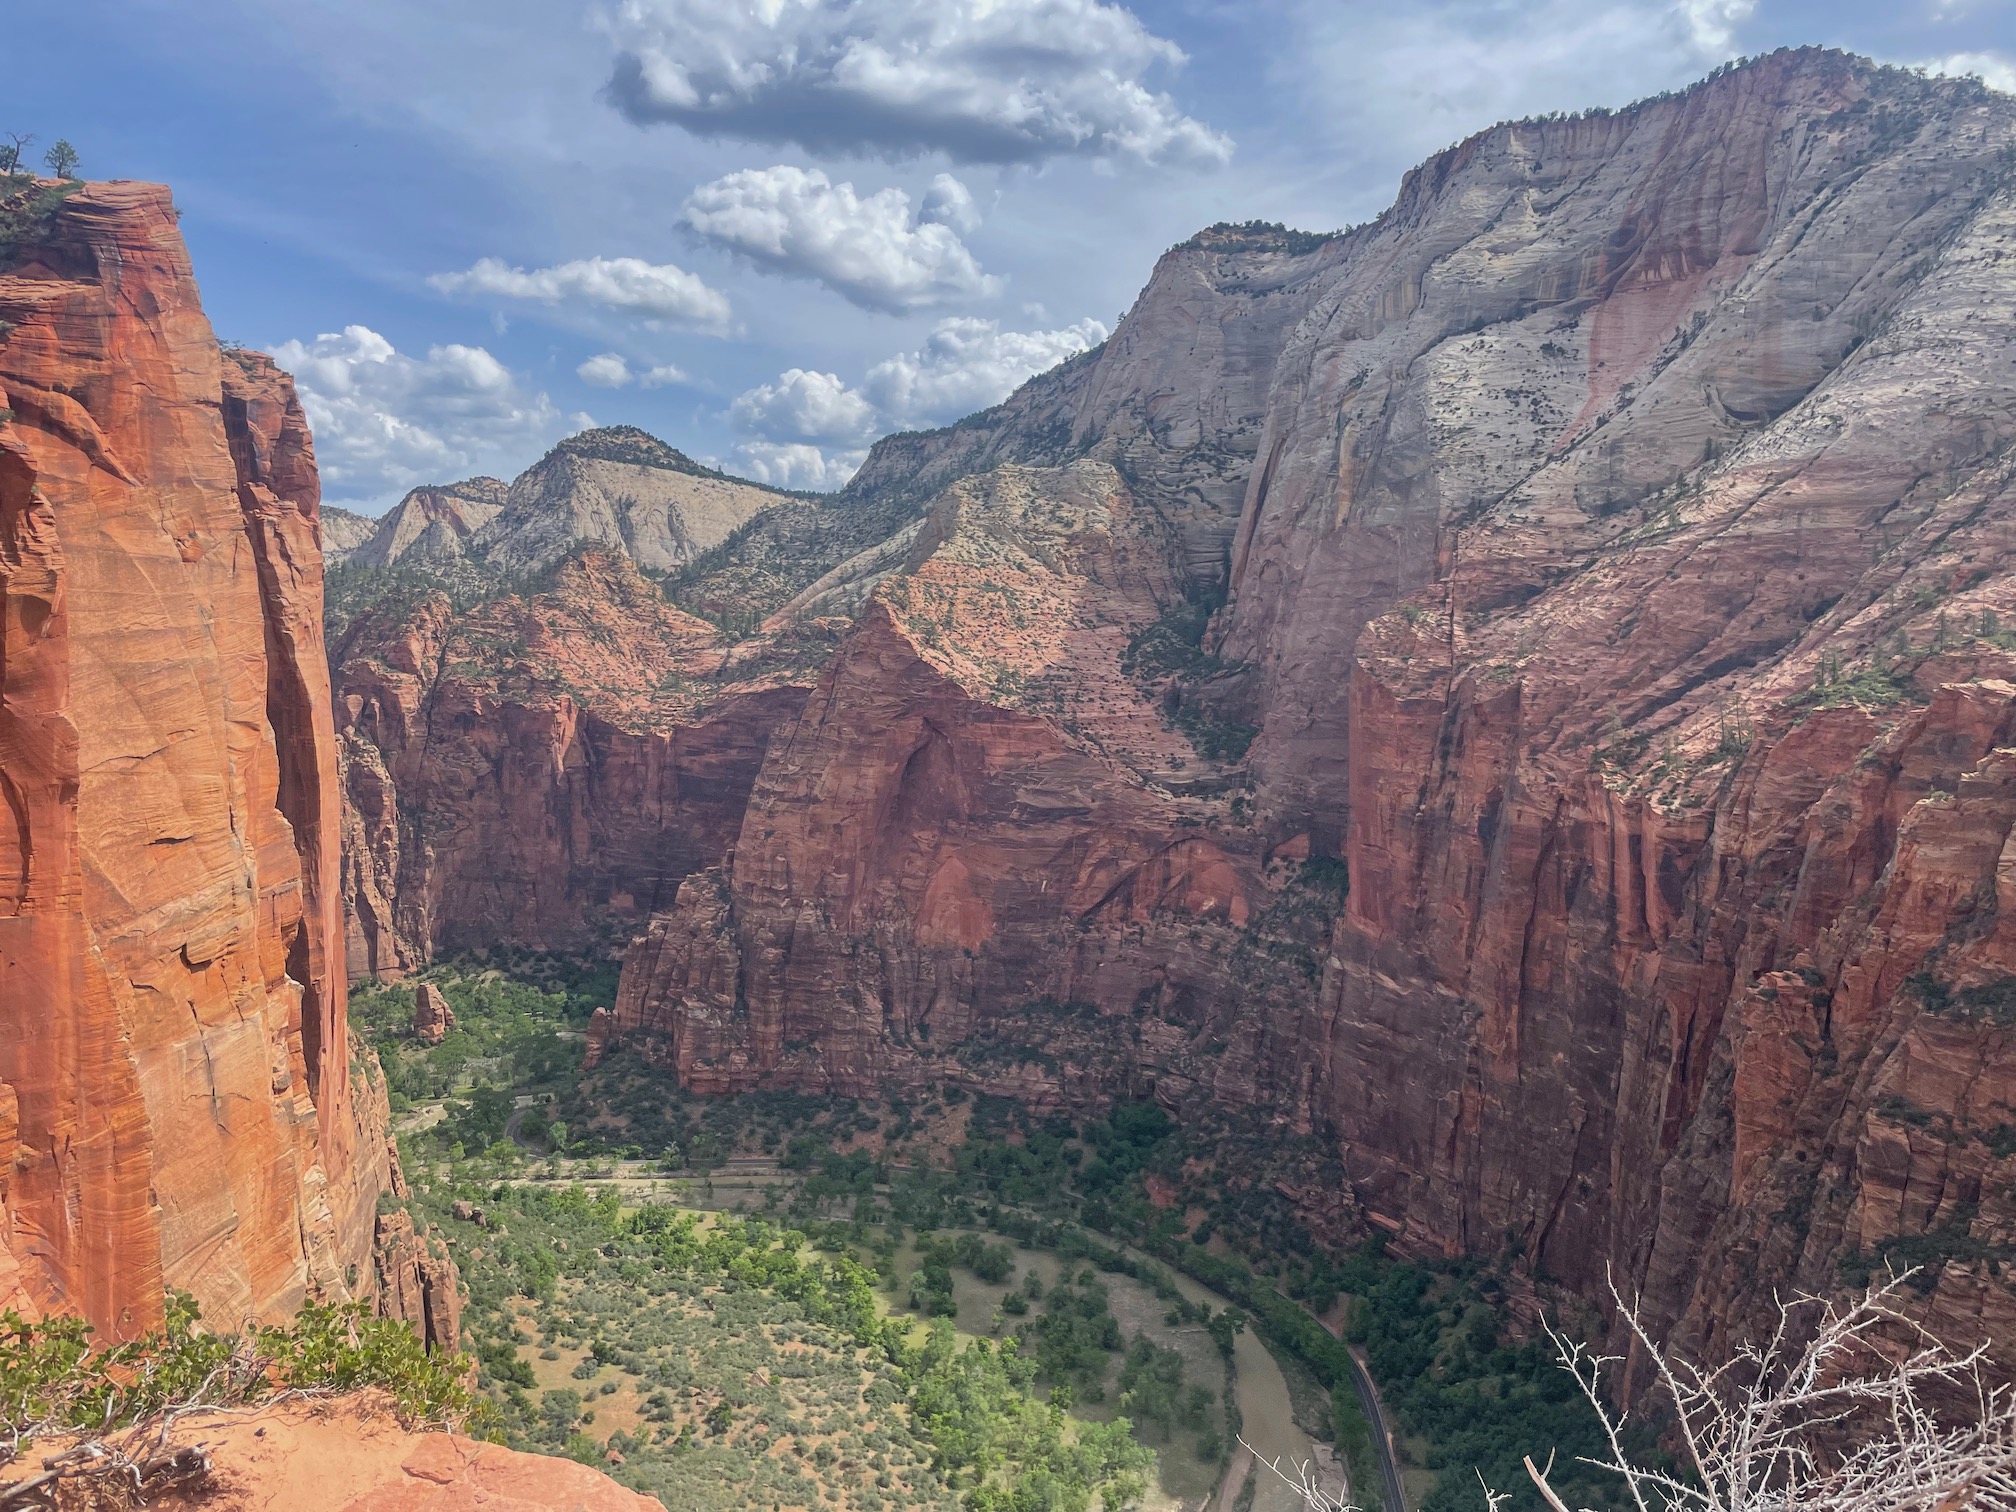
1621	560
176	1107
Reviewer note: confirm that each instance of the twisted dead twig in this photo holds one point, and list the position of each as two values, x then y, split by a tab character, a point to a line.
1758	1433
1314	1497
1870	1414
97	1460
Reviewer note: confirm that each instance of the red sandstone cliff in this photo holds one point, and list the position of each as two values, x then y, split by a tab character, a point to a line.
541	771
1618	589
175	1099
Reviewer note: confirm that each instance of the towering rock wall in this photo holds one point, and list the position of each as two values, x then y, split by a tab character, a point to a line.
1619	592
175	1105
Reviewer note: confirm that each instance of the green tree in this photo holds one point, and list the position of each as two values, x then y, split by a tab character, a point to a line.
11	150
62	159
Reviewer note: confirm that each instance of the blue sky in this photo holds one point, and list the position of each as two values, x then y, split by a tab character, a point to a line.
769	230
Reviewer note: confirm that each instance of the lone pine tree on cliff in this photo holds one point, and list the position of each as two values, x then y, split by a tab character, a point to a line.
62	159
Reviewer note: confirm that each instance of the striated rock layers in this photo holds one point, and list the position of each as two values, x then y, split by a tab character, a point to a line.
176	1107
1622	581
537	747
541	771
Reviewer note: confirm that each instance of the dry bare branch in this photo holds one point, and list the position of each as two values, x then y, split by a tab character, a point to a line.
1844	1422
1314	1497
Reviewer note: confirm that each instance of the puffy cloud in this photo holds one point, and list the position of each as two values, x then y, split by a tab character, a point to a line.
1992	69
949	203
793	464
800	223
964	365
613	370
997	81
804	406
967	364
656	290
1711	24
385	421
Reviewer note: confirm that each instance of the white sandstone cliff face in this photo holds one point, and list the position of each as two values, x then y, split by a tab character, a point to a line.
1559	320
646	501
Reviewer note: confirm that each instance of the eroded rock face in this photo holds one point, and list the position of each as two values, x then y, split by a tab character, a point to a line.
418	1282
542	771
343	532
173	1042
974	780
431	525
1618	592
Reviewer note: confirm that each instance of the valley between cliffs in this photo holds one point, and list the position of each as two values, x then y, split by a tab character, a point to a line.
1516	694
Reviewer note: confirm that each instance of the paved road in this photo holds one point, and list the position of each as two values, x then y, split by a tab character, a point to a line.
1382	1436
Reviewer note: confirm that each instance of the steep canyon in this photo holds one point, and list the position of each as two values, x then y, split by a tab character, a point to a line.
1514	695
1615	545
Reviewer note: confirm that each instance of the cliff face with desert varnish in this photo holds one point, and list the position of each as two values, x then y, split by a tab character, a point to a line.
175	1106
1620	573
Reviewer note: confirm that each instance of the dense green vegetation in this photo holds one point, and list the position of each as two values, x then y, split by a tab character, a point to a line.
55	1377
684	1352
1101	1195
509	1032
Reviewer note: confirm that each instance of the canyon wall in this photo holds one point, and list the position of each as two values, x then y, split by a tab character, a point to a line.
536	746
539	772
1619	559
175	1099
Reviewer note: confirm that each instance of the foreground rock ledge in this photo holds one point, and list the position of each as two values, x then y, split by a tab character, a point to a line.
349	1454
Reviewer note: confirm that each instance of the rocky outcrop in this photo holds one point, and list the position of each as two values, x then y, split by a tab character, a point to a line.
975	775
342	533
617	488
175	1055
432	1017
1617	596
418	1281
349	1454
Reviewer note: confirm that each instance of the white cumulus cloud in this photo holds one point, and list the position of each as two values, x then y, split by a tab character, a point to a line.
807	427
967	364
869	248
385	421
1711	24
949	203
794	464
804	406
996	81
658	291
613	370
